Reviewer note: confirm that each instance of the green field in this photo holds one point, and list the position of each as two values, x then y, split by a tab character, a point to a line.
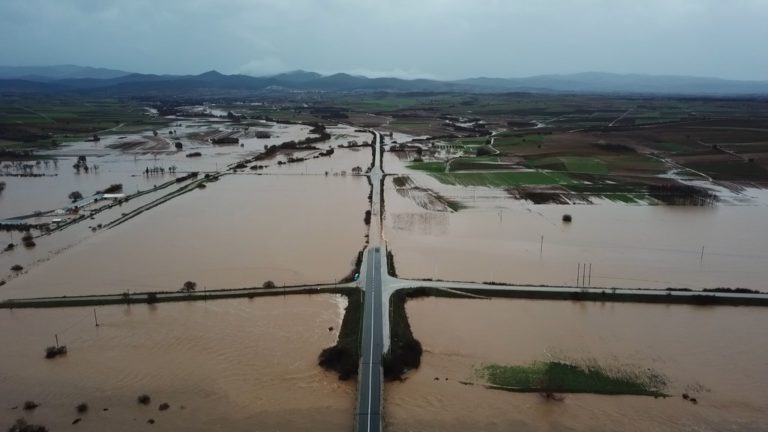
431	167
506	140
576	164
557	377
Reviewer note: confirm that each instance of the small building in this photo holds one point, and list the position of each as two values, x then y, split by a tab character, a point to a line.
115	196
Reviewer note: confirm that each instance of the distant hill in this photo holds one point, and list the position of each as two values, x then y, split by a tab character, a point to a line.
598	82
51	73
297	76
105	81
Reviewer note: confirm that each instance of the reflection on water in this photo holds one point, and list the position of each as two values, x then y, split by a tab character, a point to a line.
714	353
225	365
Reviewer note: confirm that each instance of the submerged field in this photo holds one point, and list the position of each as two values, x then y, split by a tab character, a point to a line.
239	232
227	365
496	238
684	345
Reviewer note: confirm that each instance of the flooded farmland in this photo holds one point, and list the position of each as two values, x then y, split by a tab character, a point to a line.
123	159
224	365
239	232
714	354
499	239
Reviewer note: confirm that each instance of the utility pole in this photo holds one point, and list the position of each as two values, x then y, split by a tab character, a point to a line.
95	319
583	274
578	272
541	248
701	260
590	275
57	340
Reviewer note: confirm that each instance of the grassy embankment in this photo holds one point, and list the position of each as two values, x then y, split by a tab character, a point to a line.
558	377
344	357
165	297
697	298
404	350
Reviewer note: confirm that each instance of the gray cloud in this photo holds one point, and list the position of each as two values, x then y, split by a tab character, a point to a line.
411	38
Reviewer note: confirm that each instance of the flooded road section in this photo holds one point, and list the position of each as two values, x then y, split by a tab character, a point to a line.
234	365
715	354
238	232
497	238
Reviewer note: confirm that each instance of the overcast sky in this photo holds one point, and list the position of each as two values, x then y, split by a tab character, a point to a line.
407	38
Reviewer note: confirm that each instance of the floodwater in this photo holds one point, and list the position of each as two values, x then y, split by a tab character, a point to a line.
716	354
234	365
341	162
500	239
49	246
126	165
238	232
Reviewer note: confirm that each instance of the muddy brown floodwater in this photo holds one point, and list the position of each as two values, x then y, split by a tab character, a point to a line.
234	365
238	232
500	239
25	195
716	354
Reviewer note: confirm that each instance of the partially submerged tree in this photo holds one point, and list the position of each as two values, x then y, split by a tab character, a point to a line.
268	284
75	196
189	286
21	425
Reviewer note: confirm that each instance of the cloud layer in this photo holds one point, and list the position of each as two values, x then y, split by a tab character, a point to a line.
409	38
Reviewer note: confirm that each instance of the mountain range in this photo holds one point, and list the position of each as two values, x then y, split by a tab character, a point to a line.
78	79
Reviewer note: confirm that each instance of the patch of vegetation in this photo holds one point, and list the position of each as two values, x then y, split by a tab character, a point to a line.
614	148
485	151
431	167
404	350
21	425
55	351
559	377
81	408
112	189
402	181
391	270
188	287
505	139
682	194
344	357
30	405
144	399
589	165
355	272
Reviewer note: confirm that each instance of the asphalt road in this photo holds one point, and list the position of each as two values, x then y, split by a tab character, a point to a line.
370	372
